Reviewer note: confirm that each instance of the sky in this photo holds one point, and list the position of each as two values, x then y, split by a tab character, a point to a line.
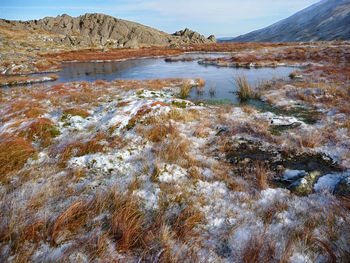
222	18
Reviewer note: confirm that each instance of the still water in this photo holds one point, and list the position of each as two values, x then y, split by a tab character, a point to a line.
220	79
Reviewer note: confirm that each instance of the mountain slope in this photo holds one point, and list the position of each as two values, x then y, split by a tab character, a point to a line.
326	20
101	28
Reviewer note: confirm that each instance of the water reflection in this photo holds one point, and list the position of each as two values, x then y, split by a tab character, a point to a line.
219	80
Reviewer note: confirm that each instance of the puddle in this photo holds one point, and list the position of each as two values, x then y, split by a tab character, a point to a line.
301	173
251	151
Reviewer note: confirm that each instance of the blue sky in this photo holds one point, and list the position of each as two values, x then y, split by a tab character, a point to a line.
218	17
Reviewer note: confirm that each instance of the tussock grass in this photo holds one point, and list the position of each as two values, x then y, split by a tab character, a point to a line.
72	219
14	153
245	90
80	148
128	226
184	92
160	131
41	129
200	82
259	249
174	151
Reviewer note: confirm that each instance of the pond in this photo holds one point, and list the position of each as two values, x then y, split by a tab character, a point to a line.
220	79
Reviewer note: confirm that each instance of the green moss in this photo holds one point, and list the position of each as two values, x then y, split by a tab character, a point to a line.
279	129
179	104
54	132
131	124
218	101
306	184
74	112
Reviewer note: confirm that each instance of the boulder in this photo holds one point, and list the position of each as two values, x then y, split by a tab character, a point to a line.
304	185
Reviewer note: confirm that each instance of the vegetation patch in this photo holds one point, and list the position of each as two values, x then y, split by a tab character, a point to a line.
14	153
41	129
74	112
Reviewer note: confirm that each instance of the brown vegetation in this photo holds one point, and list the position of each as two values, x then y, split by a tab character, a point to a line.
14	153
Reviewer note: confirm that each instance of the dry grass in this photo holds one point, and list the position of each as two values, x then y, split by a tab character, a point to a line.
259	249
185	223
41	129
159	132
21	108
128	226
174	151
76	112
19	80
80	148
245	90
14	153
311	140
200	82
72	219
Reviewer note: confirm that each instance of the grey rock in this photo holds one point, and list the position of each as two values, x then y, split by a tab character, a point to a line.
212	38
188	36
100	29
131	44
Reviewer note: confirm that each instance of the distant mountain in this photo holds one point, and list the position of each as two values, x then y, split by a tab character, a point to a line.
101	29
325	21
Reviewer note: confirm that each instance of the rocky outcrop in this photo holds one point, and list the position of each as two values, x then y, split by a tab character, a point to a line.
189	36
104	30
324	21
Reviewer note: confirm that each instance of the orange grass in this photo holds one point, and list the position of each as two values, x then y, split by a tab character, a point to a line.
81	148
14	153
41	129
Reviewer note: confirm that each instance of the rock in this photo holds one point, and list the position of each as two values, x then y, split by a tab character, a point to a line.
324	21
343	187
100	29
212	38
131	44
304	186
188	36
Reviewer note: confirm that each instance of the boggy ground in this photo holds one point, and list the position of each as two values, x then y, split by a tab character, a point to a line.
130	171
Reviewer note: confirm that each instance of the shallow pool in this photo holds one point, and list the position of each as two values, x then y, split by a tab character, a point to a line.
220	79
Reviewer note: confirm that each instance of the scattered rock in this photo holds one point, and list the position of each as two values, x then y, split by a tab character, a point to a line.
304	186
343	187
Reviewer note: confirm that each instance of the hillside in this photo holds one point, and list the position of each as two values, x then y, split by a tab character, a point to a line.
325	21
100	29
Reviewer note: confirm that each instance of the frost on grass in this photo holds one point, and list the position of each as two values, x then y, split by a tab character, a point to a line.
139	174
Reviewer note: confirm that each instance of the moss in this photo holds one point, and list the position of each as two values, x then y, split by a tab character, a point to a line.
74	112
54	132
131	124
279	129
305	185
218	101
179	104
